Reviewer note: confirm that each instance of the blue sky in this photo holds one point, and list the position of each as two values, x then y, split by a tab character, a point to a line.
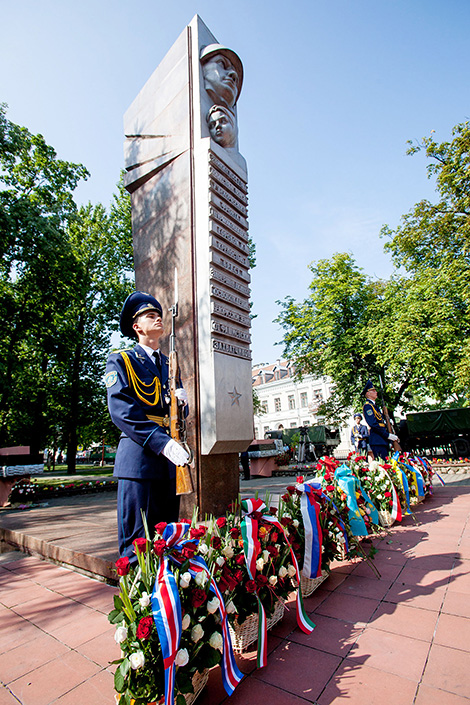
333	90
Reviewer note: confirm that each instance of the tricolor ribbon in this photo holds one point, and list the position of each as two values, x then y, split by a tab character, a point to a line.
252	509
396	512
166	608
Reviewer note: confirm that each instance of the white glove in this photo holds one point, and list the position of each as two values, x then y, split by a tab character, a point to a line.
392	437
182	396
175	453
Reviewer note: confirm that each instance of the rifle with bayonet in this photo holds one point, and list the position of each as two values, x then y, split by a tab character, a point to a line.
184	483
395	444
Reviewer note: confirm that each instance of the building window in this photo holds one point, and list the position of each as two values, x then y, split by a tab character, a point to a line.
293	424
291	401
277	404
303	400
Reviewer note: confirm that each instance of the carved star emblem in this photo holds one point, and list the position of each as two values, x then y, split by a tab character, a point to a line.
235	396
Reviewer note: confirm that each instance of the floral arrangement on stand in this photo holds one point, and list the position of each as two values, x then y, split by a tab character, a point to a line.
171	622
383	486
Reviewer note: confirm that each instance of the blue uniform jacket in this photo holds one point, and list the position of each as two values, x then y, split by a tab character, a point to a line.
378	428
359	435
142	440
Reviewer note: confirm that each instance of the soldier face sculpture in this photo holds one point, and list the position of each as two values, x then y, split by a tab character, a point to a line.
222	127
221	80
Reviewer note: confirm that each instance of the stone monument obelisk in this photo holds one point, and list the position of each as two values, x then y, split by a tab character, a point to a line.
188	186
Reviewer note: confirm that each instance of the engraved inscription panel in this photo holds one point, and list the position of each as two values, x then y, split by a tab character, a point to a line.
229	270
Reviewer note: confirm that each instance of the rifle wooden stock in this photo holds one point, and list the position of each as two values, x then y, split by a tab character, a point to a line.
395	444
184	483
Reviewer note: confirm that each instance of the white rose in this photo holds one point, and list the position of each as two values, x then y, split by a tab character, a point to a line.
290	570
137	660
186	621
182	657
216	641
120	635
197	632
266	556
213	605
295	523
259	564
220	561
185	579
282	571
230	608
144	601
228	552
272	579
200	579
203	548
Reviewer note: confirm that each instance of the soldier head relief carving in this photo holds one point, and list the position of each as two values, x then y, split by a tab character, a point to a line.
222	126
223	74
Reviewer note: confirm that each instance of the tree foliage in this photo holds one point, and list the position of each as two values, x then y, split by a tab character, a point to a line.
64	273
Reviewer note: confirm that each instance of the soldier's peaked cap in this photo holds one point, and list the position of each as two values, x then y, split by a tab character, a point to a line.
136	303
368	386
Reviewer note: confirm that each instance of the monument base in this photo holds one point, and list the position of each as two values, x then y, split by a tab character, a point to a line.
219	483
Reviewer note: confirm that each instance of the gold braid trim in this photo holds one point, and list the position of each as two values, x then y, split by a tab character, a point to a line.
148	393
378	415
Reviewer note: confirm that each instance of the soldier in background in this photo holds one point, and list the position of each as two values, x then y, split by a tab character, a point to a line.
360	435
379	435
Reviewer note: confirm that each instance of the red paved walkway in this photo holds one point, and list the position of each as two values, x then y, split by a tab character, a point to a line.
399	640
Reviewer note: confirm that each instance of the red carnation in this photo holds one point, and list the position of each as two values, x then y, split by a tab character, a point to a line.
140	545
250	586
330	488
274	536
144	628
388	494
273	511
299	479
159	546
216	542
123	565
188	550
198	597
160	527
221	522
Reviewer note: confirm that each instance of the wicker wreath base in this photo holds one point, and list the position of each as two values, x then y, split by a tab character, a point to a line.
309	585
385	518
246	633
199	680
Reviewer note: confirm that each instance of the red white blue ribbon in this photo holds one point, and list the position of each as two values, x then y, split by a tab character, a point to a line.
252	548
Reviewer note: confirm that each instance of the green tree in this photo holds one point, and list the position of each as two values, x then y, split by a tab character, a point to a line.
432	246
326	334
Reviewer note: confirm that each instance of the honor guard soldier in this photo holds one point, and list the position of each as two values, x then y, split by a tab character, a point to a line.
138	401
359	434
379	435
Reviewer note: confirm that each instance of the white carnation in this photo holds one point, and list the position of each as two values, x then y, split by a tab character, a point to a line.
216	641
228	552
182	657
186	621
290	570
185	579
120	635
213	605
200	579
197	632
137	660
144	601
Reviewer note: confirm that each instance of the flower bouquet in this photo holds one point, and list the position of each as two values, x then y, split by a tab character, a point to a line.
170	622
380	482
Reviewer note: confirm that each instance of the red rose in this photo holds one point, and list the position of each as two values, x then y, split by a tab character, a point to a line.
290	489
223	584
299	479
250	586
123	566
285	497
256	515
144	628
261	580
330	488
216	542
140	545
198	532
273	511
238	575
240	559
234	532
387	494
296	546
160	527
159	546
274	536
188	550
285	521
198	597
273	552
221	522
